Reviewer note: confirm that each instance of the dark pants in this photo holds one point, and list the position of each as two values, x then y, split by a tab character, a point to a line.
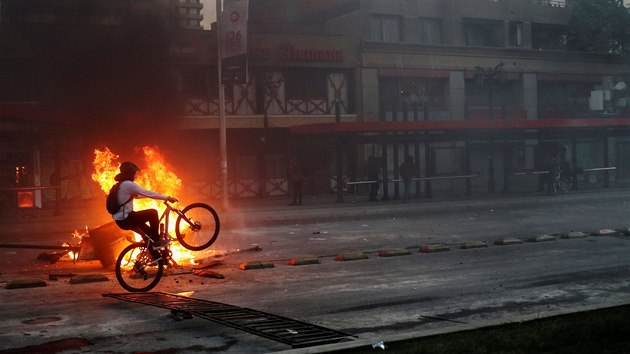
139	219
374	187
407	187
297	191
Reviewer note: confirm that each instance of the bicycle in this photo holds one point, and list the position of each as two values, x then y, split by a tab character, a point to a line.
139	268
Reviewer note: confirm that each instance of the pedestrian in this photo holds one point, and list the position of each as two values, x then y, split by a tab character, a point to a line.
295	175
128	219
372	172
407	171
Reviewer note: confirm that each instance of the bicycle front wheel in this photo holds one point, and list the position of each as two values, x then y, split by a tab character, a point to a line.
135	269
198	227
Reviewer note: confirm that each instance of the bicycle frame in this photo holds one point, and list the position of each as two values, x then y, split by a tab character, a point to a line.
165	217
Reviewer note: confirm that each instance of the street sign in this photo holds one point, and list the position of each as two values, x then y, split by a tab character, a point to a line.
234	40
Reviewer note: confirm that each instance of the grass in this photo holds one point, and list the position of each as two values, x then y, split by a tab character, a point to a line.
599	331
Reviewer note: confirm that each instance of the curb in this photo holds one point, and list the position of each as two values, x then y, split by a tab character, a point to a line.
541	238
88	278
25	283
354	256
304	260
435	247
473	244
508	241
573	235
393	252
256	265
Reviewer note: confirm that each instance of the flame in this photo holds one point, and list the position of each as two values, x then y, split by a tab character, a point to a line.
156	175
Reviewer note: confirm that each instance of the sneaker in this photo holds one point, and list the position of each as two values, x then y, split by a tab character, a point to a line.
160	244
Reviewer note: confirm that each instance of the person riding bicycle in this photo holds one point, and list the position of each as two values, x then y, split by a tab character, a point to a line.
128	219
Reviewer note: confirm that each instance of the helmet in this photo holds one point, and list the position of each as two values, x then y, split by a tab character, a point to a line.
127	167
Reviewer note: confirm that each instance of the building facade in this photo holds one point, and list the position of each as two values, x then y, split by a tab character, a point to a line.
422	60
481	93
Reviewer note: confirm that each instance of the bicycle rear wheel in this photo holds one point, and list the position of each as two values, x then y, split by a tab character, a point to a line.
198	228
135	270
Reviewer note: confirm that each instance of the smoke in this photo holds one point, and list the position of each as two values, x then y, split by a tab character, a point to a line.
117	80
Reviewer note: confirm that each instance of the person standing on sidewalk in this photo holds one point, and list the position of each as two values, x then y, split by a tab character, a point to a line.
373	171
407	171
295	174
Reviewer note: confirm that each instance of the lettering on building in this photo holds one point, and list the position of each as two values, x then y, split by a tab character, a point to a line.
287	52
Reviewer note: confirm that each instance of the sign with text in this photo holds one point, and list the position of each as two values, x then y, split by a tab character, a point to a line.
234	40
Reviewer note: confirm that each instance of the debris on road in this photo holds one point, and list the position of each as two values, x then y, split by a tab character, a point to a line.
208	273
25	283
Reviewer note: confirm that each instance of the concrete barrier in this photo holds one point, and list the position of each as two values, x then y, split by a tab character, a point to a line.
108	241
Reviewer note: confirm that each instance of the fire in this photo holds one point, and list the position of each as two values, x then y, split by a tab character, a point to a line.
156	175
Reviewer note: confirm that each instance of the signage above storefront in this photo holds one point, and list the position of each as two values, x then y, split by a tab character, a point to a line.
289	52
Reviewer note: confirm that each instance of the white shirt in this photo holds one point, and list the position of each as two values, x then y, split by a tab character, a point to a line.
127	192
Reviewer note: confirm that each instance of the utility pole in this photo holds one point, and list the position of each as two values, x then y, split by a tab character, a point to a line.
487	77
222	125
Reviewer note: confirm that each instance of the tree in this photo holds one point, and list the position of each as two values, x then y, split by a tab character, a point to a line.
599	26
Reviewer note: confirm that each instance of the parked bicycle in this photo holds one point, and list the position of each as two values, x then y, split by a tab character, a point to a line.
139	268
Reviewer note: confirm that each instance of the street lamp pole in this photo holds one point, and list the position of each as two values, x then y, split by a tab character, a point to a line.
488	76
222	123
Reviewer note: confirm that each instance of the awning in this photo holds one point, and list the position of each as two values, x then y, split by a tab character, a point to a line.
457	125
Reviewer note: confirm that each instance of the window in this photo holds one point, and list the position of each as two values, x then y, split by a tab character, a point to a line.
572	95
195	84
430	30
545	36
516	34
385	28
451	160
306	84
483	33
395	92
503	94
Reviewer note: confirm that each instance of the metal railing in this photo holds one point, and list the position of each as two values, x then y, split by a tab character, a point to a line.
552	3
585	170
355	184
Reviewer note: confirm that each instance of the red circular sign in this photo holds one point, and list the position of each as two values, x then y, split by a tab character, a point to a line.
234	16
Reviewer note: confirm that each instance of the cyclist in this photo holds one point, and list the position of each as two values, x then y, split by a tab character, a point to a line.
128	219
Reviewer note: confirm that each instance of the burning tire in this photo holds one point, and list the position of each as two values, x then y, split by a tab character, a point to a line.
136	271
200	230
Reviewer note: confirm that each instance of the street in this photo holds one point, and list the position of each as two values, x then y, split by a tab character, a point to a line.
375	298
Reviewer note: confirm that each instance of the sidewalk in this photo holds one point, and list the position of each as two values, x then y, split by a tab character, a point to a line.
317	208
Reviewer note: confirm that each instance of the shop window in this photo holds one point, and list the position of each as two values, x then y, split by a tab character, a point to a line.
276	166
385	28
623	160
245	168
451	161
195	84
306	85
546	36
203	83
483	33
430	30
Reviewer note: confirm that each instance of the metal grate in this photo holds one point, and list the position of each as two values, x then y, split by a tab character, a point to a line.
295	333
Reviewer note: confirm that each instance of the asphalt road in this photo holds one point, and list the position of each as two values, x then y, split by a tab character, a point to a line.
376	298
